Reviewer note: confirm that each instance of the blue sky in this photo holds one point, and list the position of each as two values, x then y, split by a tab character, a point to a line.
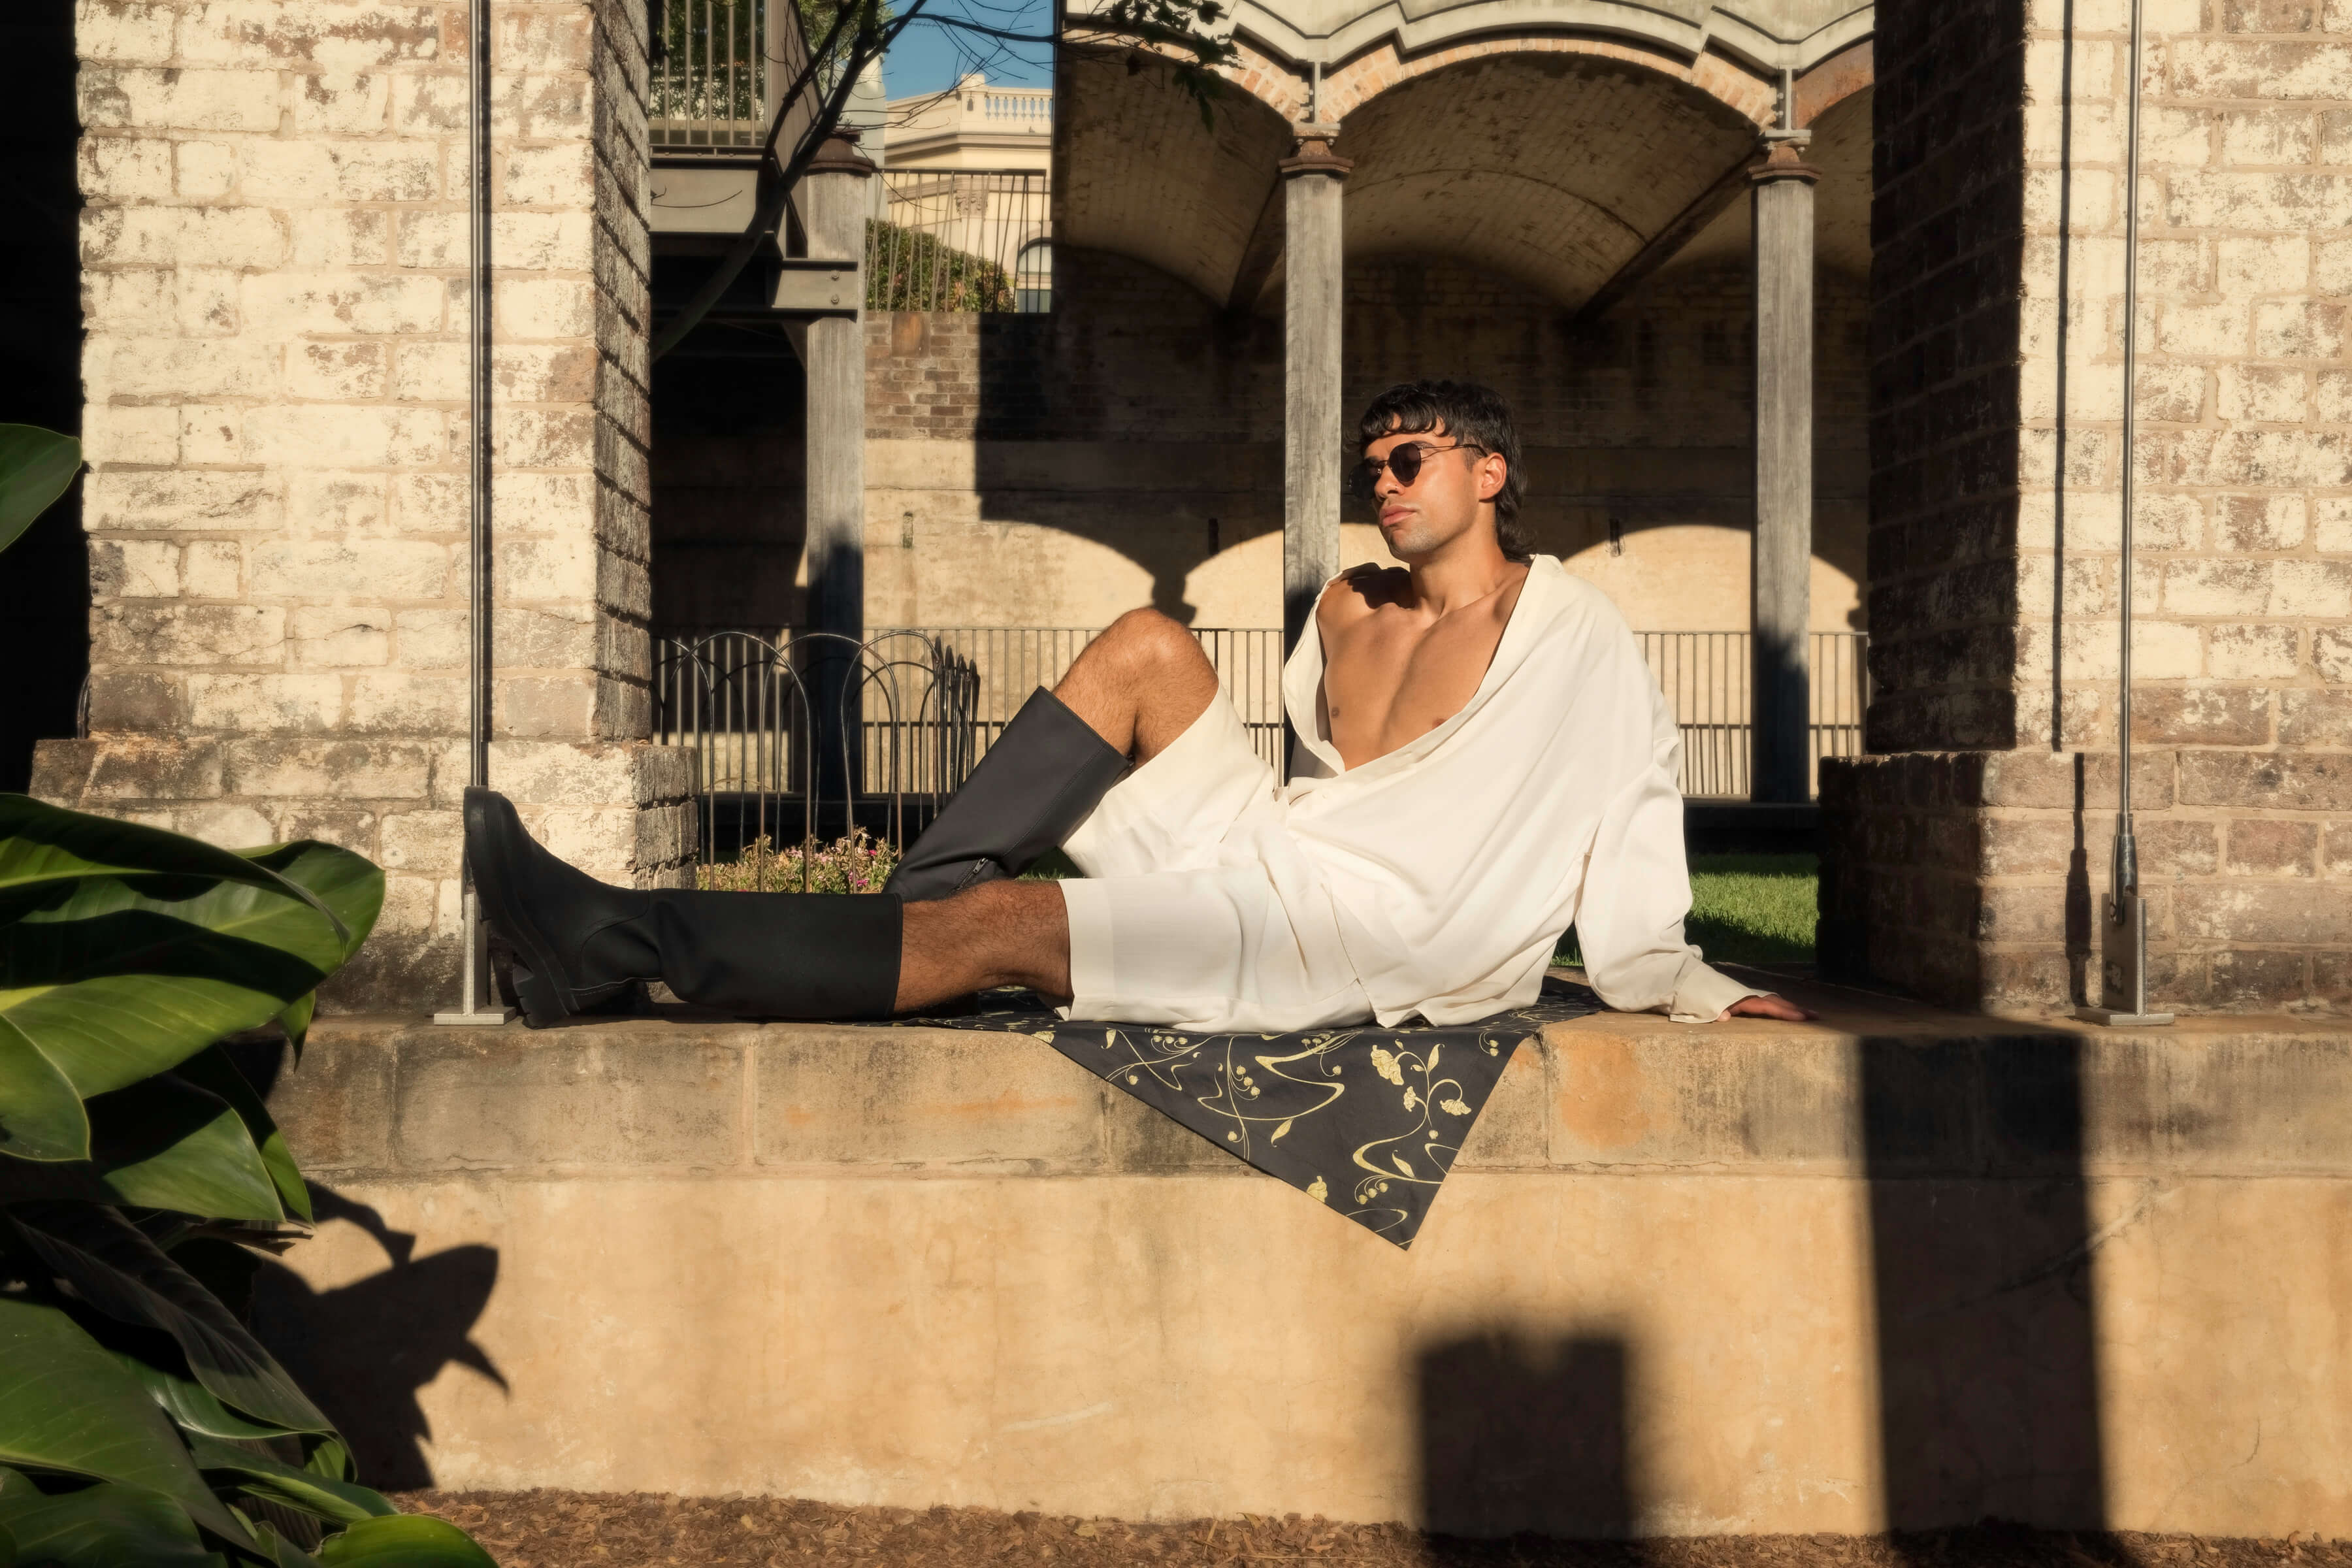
930	58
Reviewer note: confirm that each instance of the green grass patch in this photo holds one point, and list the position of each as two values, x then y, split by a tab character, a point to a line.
1746	908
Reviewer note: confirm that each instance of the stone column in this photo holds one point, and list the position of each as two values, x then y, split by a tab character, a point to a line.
1782	561
1312	419
834	197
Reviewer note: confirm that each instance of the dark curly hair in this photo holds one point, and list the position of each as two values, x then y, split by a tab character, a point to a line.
1473	415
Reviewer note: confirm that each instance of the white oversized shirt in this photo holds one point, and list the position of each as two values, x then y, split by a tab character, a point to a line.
1452	864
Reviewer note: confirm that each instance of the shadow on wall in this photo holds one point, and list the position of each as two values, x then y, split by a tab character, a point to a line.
1522	1435
1981	1244
364	1351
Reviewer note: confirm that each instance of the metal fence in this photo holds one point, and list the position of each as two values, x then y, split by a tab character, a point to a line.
1704	676
960	240
920	706
708	90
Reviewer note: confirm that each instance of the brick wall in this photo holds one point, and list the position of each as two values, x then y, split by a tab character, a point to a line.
2007	593
274	252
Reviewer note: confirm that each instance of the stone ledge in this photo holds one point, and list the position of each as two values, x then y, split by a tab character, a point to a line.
1876	1087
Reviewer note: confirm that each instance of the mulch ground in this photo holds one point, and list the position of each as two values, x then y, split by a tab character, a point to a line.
639	1529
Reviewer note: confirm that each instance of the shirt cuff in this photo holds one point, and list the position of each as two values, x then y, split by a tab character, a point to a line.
1704	992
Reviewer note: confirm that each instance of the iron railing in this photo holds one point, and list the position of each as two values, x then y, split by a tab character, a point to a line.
958	239
709	88
919	707
1704	676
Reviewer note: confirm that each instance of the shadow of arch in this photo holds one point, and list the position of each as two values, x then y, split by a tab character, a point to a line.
363	1350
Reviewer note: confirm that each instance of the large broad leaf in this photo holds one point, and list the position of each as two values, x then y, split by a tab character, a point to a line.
338	1503
44	845
110	980
167	1144
192	1407
36	466
403	1541
40	1115
66	1404
276	1549
212	1071
122	1274
350	886
109	1526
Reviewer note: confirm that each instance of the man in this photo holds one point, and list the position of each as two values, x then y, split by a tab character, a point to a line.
1484	759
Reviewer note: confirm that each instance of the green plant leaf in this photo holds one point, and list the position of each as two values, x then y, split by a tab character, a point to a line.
331	1457
107	1526
192	1407
213	1071
257	1475
36	466
127	1277
41	1117
295	1021
43	845
66	1404
281	1552
168	1145
348	887
403	1541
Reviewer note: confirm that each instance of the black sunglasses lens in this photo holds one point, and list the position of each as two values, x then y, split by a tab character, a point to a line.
1365	479
1404	462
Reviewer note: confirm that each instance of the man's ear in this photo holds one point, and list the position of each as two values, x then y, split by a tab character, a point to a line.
1494	469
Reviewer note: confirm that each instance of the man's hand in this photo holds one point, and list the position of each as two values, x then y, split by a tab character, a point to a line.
1766	1007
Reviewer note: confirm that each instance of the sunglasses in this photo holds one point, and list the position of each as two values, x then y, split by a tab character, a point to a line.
1404	460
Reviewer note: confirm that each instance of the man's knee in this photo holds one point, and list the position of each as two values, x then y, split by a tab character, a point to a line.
1147	639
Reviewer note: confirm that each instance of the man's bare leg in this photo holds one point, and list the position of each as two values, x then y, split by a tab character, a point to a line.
1141	684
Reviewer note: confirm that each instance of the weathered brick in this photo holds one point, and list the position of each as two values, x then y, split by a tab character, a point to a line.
2259	847
2271	781
2201	716
196	635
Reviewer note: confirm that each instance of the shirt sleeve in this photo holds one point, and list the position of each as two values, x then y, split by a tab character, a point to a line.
1629	916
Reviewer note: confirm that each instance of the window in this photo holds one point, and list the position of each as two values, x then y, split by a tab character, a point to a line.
1033	278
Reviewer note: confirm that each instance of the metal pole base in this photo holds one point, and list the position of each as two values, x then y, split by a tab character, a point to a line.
2114	1019
483	1010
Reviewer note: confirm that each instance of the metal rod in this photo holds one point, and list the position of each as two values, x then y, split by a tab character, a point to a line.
475	1006
2131	363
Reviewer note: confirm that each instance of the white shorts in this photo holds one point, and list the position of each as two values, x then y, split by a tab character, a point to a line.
1196	909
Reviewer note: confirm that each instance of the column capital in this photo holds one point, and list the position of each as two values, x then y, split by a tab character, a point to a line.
1783	159
839	155
1312	153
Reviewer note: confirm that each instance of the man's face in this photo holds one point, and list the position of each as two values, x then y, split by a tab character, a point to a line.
1441	503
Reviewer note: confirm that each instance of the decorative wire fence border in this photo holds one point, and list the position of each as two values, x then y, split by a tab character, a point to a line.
709	88
962	239
928	702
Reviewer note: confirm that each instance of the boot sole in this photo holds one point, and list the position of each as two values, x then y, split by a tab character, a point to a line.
545	1001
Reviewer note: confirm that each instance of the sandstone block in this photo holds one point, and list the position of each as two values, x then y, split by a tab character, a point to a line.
204	303
134	569
398	702
344	39
177	367
2253	652
338	506
344	436
564	637
123	33
543	437
2204	331
2268	781
378	569
2283	202
2299	329
335	768
430	639
130	434
546	708
474	1103
2298	913
2316	719
2012	845
137	700
152	99
309	703
2245	525
339	236
2331	396
204	171
230	825
423	840
2268	138
562	569
340	372
859	1096
2331	272
125	767
2331	653
539	308
663	773
327	638
541	41
2178	847
345	104
560	176
600	840
2277	393
330	304
433	503
199	636
2271	849
125	168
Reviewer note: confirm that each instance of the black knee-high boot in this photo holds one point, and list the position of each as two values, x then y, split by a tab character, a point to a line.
1038	782
764	956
